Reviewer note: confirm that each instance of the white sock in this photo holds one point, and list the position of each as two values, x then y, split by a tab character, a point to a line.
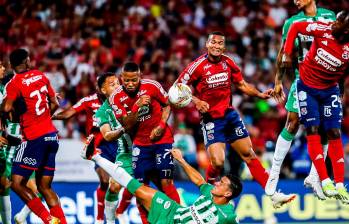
24	213
326	181
281	149
117	173
339	185
5	209
325	148
110	208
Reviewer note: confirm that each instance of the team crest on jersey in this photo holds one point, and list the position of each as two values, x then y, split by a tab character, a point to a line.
136	151
345	55
304	111
302	95
209	126
31	80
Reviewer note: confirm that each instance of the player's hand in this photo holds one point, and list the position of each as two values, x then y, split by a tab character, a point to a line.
156	133
143	101
3	141
177	154
279	94
202	106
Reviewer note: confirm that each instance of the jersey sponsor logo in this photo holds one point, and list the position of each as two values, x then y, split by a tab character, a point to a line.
239	131
302	95
207	66
327	111
328	36
122	99
317	26
96	105
136	151
167	204
29	161
304	111
159	200
51	138
31	80
224	65
220	77
329	58
305	38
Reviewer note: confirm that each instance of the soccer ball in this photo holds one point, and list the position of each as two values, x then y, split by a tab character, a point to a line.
179	95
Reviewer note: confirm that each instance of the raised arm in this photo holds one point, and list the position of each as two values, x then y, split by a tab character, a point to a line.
252	91
65	114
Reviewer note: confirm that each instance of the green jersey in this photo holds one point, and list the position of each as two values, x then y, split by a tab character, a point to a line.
303	42
105	115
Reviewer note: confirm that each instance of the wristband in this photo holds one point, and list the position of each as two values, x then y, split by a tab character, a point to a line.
162	124
135	108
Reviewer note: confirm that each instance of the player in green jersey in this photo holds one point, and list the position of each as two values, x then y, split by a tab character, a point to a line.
112	130
309	12
213	205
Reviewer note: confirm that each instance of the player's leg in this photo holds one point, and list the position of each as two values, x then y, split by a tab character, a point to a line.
21	216
111	201
101	192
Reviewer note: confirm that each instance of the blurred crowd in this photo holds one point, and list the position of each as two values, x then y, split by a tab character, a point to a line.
73	41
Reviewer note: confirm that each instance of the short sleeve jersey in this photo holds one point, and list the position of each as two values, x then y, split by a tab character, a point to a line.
34	89
105	115
204	210
148	116
89	104
212	82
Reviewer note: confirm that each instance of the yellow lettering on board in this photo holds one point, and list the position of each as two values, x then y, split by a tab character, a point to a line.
248	207
297	213
327	209
344	211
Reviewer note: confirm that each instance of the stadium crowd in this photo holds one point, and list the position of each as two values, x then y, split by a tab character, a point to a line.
74	41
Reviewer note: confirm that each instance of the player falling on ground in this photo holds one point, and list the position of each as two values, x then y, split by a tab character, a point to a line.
113	131
213	206
213	75
318	94
309	12
38	150
142	107
90	104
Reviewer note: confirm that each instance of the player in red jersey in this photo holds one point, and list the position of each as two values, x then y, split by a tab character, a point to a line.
318	94
90	104
142	107
212	76
38	150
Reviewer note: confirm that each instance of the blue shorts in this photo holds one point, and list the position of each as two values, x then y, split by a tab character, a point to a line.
154	160
319	107
108	150
226	130
37	155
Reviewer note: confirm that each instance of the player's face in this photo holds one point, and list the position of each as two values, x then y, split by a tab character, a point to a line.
130	80
2	70
110	84
221	188
302	3
215	45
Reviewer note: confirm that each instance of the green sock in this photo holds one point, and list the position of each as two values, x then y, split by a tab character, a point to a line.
133	185
111	196
287	135
6	192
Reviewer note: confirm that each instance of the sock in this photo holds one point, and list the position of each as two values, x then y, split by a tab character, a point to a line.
124	202
212	174
23	214
143	213
171	192
326	181
110	208
57	212
100	203
39	209
336	154
339	185
316	155
282	147
313	171
5	209
258	172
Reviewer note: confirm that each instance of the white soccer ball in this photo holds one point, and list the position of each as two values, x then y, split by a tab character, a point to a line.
180	95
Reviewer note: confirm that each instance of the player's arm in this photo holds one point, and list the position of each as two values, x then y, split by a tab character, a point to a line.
109	134
159	130
65	114
250	90
192	173
54	105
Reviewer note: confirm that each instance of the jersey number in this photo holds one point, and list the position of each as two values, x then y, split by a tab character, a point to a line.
38	94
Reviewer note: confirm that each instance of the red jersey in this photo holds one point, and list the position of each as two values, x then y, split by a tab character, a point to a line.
212	82
89	104
148	116
326	62
35	89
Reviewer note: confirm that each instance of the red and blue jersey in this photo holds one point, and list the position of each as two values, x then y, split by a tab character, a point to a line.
212	82
327	60
34	89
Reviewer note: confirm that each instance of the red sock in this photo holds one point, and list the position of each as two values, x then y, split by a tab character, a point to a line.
57	212
100	203
143	213
317	155
258	172
336	154
171	192
125	202
39	209
212	174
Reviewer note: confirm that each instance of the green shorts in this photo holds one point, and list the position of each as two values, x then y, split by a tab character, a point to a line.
162	209
6	158
292	103
126	162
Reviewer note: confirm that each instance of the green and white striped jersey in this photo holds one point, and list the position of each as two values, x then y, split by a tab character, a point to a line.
204	210
105	115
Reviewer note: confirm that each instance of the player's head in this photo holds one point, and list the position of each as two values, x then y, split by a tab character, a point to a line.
215	44
229	187
19	57
107	83
131	77
302	4
2	70
340	28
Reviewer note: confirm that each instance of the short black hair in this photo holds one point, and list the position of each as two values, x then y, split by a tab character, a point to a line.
130	67
235	185
218	33
102	77
18	57
343	16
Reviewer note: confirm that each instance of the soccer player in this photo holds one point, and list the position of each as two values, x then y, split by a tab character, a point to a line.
113	131
318	94
213	206
38	150
212	75
309	12
90	104
142	107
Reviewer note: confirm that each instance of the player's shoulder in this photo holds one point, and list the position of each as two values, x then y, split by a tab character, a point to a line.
197	62
89	98
326	12
149	83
